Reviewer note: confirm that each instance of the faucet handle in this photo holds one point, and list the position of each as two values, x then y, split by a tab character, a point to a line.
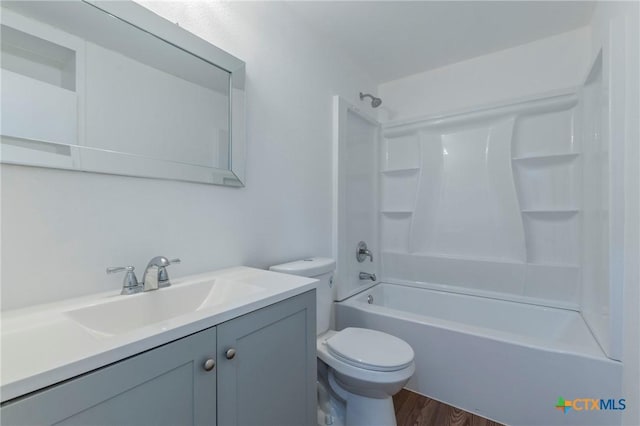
114	269
363	252
130	283
163	276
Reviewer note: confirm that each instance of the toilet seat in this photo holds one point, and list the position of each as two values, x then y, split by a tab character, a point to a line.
370	349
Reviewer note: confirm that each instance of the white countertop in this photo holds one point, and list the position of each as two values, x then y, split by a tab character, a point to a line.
42	345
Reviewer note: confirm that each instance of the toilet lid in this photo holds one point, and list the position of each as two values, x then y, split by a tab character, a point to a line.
370	349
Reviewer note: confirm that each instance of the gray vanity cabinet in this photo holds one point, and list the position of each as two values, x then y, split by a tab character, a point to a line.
267	366
164	386
267	379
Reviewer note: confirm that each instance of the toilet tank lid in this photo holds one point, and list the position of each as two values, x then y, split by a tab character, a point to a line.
311	267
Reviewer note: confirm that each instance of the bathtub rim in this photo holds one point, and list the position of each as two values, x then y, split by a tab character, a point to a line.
595	350
506	297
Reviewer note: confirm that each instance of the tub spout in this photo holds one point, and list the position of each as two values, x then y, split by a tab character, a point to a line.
367	276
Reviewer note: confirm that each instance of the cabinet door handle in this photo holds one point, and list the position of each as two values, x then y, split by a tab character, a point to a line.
230	353
209	364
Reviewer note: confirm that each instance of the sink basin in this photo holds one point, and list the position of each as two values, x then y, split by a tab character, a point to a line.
87	333
122	314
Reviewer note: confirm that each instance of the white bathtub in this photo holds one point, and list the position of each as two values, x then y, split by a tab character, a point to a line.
503	360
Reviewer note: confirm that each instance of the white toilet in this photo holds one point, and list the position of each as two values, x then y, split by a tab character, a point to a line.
363	368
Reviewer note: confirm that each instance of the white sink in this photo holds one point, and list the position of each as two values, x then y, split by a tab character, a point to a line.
84	334
122	314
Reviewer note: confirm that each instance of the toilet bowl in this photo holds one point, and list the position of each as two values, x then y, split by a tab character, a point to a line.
366	368
359	369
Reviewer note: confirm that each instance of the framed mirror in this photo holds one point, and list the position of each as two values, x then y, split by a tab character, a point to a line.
111	87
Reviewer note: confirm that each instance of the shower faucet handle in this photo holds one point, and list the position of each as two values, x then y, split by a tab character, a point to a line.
363	252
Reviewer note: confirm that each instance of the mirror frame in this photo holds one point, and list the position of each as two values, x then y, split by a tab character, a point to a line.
145	20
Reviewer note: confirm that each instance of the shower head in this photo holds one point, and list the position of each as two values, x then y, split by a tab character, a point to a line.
375	102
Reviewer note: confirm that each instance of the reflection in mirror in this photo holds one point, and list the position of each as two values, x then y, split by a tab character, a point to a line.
83	89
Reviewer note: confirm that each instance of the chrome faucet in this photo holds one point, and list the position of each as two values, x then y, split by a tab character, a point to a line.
362	252
130	283
155	275
367	276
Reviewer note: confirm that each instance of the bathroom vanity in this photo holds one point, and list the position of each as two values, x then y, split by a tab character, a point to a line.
224	360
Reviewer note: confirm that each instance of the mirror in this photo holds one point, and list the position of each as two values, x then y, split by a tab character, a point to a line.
110	87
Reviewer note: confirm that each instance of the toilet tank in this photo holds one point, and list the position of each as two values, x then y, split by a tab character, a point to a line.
320	268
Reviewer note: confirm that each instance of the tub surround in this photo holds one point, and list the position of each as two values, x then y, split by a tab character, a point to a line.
355	216
43	345
517	167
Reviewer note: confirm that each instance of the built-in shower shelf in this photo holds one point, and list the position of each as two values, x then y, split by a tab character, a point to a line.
454	257
401	171
396	212
543	157
550	211
553	265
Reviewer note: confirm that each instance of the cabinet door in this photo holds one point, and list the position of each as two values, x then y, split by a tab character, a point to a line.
271	379
164	386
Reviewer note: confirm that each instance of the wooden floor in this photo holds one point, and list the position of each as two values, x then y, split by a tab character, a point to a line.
417	410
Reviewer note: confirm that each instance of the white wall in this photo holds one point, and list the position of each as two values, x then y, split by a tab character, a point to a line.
607	20
60	229
544	65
